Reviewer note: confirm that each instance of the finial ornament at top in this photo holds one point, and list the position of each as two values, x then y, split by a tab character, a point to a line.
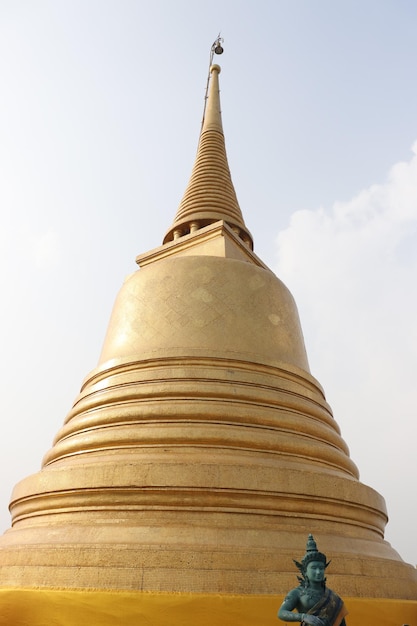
312	602
217	47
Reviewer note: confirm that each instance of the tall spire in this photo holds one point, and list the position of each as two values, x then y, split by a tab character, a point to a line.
210	195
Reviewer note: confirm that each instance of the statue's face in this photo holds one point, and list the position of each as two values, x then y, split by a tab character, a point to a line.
315	571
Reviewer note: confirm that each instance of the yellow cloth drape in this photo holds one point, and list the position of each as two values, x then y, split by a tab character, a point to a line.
33	607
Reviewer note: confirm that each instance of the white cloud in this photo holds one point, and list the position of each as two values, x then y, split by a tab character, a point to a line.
353	272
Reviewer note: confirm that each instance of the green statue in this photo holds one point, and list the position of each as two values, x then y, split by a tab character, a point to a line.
312	602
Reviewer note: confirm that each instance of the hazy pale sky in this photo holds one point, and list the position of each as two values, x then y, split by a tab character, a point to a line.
100	113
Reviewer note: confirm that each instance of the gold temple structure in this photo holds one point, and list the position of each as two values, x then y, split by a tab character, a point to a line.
201	452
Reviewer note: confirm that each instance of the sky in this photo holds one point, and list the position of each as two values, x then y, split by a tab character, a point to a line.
100	113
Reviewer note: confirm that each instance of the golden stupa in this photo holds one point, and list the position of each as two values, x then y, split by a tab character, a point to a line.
201	452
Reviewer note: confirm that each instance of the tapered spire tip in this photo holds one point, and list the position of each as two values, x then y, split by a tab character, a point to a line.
210	195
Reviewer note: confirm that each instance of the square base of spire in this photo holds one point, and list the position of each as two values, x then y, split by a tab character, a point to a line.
217	239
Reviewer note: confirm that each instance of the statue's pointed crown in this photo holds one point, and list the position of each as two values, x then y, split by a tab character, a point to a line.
210	195
312	554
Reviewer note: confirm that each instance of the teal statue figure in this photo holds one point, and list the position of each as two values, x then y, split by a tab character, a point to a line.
312	602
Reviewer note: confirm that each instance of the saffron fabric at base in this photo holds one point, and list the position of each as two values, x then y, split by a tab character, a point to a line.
43	607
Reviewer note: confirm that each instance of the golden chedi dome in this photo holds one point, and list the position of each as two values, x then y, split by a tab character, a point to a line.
201	452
